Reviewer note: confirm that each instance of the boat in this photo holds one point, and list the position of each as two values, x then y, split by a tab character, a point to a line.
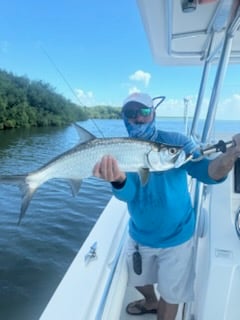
180	32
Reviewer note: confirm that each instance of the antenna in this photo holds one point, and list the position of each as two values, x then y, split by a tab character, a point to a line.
185	114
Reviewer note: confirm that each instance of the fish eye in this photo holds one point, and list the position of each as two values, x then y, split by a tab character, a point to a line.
173	150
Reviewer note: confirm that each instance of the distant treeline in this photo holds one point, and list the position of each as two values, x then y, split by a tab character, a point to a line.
26	103
103	112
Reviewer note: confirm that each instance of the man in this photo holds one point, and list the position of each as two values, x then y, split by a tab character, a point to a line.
162	219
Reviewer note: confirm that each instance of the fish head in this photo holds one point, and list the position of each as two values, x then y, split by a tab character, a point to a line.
164	157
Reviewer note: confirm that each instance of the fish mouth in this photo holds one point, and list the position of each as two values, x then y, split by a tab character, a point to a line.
182	158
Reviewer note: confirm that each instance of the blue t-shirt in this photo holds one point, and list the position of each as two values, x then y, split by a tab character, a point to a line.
161	212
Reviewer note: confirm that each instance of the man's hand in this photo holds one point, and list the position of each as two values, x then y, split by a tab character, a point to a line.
221	166
108	169
236	140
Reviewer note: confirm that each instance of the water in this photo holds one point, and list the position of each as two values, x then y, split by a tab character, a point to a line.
36	254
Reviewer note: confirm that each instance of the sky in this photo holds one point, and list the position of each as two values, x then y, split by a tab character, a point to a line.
97	53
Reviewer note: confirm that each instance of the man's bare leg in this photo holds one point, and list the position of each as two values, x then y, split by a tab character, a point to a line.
150	296
150	301
166	311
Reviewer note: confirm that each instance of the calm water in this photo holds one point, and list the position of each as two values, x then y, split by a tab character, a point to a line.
36	254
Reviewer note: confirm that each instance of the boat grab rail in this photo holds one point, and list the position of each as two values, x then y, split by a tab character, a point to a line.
237	223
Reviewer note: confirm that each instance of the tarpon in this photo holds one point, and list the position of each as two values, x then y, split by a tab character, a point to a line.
76	164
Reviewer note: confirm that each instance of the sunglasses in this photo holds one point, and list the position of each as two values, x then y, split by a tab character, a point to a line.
134	113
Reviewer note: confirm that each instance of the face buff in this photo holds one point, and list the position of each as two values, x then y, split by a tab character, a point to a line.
146	131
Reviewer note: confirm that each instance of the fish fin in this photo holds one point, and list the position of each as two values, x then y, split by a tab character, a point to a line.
75	186
27	192
84	134
143	174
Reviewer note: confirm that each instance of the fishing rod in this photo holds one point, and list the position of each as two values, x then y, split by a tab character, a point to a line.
220	146
61	75
68	85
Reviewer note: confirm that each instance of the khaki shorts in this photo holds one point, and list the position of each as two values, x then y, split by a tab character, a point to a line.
172	269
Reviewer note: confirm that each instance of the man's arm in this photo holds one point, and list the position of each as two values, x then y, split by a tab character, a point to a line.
220	167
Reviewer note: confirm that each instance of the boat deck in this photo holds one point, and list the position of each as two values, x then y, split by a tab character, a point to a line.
104	279
132	295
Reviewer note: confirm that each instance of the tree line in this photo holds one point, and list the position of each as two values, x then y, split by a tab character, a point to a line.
26	103
103	112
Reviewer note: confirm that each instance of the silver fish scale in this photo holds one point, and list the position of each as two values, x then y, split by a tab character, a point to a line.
130	156
78	162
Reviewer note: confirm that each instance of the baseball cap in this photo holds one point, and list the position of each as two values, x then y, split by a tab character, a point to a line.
139	97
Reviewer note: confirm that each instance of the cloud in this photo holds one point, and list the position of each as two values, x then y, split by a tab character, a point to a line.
229	108
141	76
86	98
174	108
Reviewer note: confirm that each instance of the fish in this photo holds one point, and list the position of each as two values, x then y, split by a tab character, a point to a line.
76	164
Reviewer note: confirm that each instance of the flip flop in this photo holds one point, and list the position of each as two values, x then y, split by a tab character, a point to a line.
140	309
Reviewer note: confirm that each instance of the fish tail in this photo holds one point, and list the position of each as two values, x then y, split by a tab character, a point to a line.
26	190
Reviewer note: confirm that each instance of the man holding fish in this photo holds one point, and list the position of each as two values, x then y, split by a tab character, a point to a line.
162	220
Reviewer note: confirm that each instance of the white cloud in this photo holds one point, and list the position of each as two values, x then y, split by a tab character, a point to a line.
229	109
141	76
86	98
174	108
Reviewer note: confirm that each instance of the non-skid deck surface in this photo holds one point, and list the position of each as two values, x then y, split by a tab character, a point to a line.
132	295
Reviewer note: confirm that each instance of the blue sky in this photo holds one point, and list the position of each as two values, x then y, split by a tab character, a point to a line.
97	51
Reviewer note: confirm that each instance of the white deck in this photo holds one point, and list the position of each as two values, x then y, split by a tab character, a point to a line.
132	295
